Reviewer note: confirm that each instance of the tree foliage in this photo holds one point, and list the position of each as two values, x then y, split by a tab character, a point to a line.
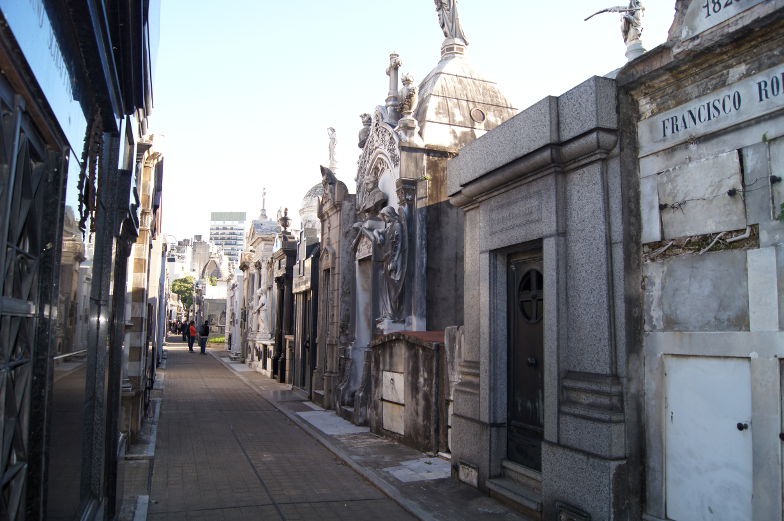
184	288
213	280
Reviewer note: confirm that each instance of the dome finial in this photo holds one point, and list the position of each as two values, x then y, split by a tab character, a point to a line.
455	40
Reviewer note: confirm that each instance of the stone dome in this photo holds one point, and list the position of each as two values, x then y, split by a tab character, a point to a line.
310	201
457	104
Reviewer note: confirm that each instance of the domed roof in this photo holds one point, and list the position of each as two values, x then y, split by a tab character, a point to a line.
311	198
457	104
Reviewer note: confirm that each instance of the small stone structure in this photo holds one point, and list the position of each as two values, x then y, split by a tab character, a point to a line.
541	381
408	402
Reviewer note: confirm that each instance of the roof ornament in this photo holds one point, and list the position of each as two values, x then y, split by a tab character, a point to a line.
631	26
455	42
333	162
450	21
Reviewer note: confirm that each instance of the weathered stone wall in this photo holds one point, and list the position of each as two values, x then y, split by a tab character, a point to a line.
706	119
407	401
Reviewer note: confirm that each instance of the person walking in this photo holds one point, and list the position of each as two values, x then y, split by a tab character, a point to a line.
191	335
184	330
204	333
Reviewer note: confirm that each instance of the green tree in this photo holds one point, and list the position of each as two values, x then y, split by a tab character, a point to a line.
184	288
213	281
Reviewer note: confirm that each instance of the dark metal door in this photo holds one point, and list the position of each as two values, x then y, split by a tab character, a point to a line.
29	218
525	421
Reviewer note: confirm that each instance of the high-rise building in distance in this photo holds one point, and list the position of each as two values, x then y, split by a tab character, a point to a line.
227	230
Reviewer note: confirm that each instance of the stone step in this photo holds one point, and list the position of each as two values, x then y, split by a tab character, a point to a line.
526	477
518	496
346	412
318	397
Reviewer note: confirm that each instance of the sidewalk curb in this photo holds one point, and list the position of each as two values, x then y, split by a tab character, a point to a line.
371	475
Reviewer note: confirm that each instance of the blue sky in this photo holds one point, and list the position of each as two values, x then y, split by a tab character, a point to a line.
244	94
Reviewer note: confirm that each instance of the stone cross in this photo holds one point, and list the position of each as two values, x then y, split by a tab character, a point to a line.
392	71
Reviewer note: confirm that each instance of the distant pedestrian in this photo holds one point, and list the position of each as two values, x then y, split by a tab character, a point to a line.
204	333
185	331
191	335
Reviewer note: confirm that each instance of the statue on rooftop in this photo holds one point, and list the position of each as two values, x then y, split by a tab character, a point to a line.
631	26
332	142
449	20
364	132
409	96
631	23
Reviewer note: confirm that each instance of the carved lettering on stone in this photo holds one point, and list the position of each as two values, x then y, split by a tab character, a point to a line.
511	214
364	248
747	99
702	15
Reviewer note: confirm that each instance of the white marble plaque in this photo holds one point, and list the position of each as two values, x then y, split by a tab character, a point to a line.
393	387
747	99
392	416
701	15
696	197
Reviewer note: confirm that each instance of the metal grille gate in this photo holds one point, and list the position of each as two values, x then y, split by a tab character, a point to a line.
27	232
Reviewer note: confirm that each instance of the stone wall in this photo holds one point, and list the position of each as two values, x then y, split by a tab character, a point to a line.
408	393
705	116
548	185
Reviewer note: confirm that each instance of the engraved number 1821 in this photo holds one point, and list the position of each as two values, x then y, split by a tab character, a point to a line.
715	6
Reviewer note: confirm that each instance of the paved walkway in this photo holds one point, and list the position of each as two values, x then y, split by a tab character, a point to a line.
234	444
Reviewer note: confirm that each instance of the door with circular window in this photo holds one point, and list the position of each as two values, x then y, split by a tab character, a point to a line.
525	384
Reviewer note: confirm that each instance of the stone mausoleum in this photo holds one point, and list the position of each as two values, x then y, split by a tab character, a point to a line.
392	255
623	258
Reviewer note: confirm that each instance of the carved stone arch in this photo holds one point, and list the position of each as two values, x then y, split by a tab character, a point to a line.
212	268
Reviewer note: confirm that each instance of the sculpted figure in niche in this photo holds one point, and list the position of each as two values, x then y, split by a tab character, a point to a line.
364	132
409	96
373	199
392	240
260	309
449	20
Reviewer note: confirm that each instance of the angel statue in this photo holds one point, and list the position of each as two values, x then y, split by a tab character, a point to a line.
631	25
449	20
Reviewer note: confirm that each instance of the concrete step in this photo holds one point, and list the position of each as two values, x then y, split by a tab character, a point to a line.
527	478
516	495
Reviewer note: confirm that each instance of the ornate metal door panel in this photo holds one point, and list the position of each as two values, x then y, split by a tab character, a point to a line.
24	168
525	361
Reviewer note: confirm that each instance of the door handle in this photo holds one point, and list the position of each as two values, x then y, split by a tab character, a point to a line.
742	426
531	361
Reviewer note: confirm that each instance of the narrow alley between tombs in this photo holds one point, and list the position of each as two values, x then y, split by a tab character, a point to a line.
233	444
